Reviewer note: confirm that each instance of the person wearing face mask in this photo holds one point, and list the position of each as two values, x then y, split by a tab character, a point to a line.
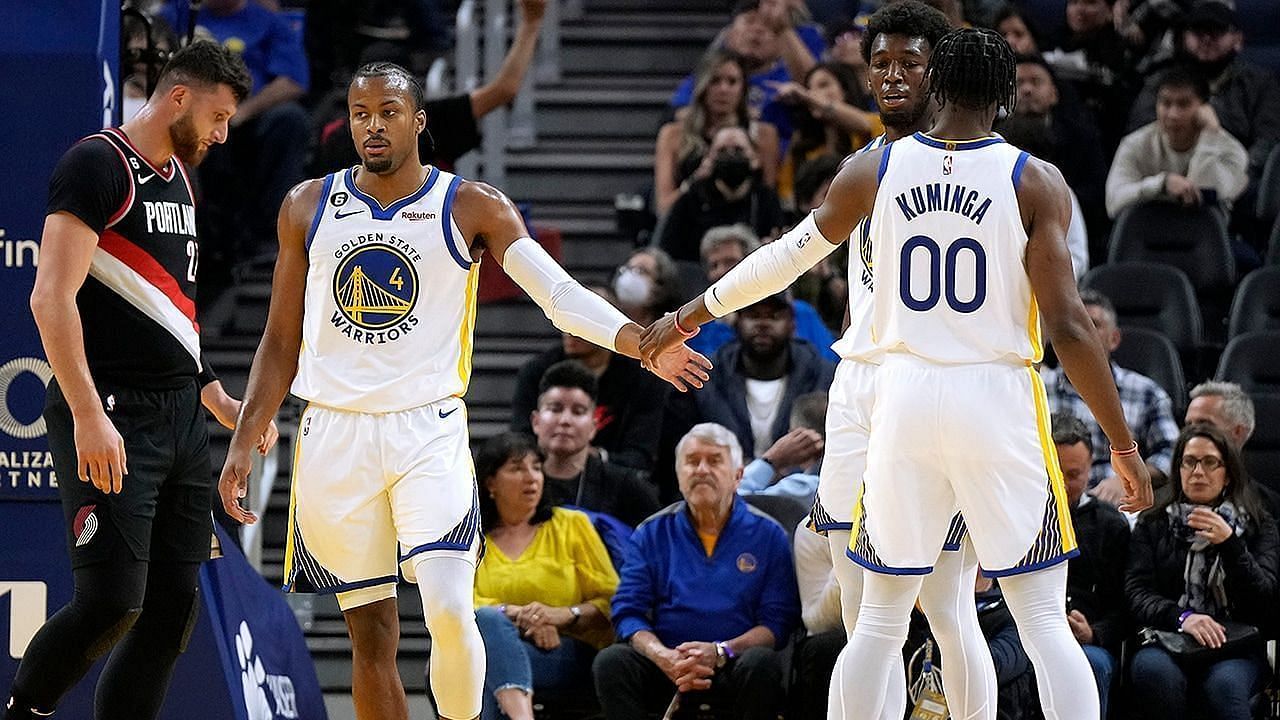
732	192
1208	555
565	424
1246	97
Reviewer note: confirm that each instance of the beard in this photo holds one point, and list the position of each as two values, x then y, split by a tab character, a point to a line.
379	166
186	141
906	117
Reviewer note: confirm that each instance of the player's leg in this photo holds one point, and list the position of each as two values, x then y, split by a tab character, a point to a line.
947	599
866	667
341	539
373	622
457	650
437	520
107	538
136	677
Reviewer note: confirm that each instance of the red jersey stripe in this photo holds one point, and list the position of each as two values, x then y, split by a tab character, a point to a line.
137	259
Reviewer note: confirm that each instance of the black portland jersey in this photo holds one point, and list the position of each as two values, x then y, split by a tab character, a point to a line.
138	303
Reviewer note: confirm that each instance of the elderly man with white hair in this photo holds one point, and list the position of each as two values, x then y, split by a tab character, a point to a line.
707	596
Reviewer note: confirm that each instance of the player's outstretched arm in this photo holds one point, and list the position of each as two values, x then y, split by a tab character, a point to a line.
773	267
276	361
489	221
1046	211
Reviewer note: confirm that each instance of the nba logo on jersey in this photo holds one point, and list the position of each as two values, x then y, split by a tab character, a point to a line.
946	165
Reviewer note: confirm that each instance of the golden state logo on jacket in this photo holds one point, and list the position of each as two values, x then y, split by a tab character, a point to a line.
375	289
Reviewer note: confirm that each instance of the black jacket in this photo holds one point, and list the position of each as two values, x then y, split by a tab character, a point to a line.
1157	561
1095	579
607	488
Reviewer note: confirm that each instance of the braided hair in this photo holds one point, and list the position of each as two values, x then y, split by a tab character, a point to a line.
973	68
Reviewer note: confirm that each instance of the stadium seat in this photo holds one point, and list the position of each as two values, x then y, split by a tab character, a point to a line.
1257	302
1151	296
1273	247
1251	361
1262	452
786	510
1152	354
1268	206
1191	239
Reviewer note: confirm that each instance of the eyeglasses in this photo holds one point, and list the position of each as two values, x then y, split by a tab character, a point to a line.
1208	462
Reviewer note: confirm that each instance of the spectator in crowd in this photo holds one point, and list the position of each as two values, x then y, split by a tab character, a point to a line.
790	466
1096	609
1093	58
1207	556
245	179
724	247
1184	156
628	402
1245	97
1019	31
828	119
844	46
1147	407
764	35
733	191
1074	144
453	122
756	379
648	285
543	587
825	285
1226	406
681	156
825	635
1033	135
565	424
146	43
706	599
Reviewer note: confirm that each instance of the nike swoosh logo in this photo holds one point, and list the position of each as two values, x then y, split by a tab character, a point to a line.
444	414
145	180
715	296
339	214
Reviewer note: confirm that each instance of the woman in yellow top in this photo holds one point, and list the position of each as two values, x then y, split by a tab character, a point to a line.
543	588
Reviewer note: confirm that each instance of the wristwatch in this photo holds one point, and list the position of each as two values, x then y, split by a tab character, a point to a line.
576	612
724	654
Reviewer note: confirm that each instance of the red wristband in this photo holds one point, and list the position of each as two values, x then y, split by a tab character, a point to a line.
1131	450
675	318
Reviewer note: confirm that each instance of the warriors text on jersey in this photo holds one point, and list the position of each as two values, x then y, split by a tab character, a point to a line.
137	305
390	299
948	247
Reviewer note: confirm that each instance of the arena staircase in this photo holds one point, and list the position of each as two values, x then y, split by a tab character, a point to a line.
595	133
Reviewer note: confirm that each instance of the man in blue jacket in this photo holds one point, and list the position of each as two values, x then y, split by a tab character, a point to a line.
707	596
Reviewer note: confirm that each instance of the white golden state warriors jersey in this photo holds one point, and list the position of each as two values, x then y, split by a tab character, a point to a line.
855	343
390	300
949	249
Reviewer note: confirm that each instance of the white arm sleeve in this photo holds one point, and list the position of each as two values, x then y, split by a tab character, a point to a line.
770	269
569	306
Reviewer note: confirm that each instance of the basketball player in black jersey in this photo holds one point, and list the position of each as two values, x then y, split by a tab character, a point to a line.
114	300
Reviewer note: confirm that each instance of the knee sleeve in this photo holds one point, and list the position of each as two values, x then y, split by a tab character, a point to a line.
457	650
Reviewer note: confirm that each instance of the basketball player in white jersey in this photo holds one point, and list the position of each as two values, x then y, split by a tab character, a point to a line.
372	310
896	45
967	240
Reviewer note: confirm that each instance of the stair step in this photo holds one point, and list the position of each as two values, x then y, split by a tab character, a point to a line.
643	30
673	6
594	146
712	20
591	81
580	162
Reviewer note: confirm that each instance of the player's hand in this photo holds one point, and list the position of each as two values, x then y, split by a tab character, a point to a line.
1207	631
1209	525
100	456
682	368
531	11
1133	472
696	666
233	485
660	337
1080	627
797	448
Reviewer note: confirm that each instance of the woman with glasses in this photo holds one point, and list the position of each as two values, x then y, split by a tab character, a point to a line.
1207	556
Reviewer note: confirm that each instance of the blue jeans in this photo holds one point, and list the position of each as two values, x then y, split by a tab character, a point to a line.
1103	664
1162	686
512	662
